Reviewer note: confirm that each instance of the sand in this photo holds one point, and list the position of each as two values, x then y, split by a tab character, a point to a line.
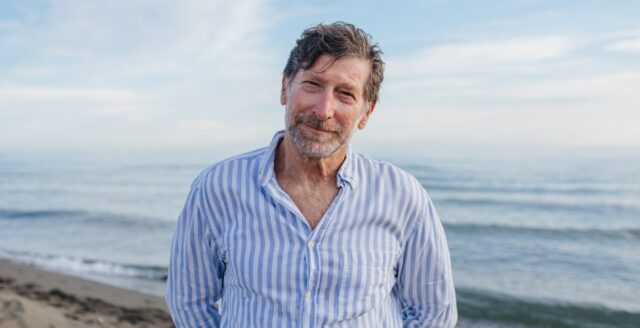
34	298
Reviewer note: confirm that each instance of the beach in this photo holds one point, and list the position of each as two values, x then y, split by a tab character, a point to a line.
34	298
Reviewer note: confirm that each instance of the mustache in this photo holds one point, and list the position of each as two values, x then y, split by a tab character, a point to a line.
317	124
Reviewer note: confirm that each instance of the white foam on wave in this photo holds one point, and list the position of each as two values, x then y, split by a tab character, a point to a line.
148	280
70	264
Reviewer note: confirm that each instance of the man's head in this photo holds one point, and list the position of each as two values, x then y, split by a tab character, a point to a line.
337	40
330	85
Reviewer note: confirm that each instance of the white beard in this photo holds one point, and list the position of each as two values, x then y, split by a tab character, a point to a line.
313	145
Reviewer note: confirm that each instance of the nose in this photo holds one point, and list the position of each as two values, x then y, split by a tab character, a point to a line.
325	106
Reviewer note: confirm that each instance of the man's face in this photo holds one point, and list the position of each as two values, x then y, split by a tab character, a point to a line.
325	103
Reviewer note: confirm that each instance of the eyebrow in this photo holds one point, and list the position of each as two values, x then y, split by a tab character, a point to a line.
346	85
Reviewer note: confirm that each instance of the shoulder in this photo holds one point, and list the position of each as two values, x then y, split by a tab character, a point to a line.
397	188
228	171
380	170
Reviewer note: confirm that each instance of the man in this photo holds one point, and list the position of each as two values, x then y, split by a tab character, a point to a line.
306	232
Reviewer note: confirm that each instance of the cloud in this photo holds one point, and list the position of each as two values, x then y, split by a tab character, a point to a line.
79	102
551	125
479	56
143	38
135	73
630	46
162	73
608	88
536	91
106	118
473	92
510	74
9	25
46	93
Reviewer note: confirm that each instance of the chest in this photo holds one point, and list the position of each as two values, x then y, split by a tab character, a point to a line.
312	201
313	205
352	258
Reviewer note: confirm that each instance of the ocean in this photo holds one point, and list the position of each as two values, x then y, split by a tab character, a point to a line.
538	239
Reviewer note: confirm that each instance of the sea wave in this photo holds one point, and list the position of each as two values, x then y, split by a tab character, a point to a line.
81	266
35	214
486	306
631	233
548	188
538	203
97	217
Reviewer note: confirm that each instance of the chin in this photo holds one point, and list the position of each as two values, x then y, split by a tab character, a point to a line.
314	145
315	149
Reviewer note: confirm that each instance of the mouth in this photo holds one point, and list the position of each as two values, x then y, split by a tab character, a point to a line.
317	130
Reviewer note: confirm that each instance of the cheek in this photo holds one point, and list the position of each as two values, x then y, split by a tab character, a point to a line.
298	102
349	121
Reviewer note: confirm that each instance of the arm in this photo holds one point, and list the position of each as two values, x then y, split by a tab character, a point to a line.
194	281
425	283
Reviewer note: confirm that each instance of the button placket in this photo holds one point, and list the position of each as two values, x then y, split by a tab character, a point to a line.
311	272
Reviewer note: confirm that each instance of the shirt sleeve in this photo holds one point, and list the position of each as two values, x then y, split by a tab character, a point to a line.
196	269
425	282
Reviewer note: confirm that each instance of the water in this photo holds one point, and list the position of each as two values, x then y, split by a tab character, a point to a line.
547	239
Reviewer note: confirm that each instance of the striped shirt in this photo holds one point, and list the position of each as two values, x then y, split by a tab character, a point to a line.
243	255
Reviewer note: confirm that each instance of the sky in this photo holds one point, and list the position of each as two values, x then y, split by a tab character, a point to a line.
156	75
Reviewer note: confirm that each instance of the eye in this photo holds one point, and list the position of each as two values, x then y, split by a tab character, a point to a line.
348	94
310	85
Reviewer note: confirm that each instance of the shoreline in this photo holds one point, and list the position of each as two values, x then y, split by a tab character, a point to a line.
32	297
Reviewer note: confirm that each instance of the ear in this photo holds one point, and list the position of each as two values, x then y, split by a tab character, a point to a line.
365	117
283	90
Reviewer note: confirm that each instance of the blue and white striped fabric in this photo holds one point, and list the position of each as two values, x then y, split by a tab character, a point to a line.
244	256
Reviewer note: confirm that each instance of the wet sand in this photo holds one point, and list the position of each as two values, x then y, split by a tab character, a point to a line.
34	298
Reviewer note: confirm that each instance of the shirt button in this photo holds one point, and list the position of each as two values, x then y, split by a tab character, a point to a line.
307	296
311	243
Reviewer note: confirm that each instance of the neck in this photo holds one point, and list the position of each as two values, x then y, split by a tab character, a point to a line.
291	163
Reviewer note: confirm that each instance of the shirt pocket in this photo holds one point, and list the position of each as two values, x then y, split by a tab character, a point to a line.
366	280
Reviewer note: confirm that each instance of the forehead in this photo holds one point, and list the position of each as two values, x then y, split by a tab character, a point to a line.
350	71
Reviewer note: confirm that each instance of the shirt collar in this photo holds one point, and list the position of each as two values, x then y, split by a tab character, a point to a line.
346	173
